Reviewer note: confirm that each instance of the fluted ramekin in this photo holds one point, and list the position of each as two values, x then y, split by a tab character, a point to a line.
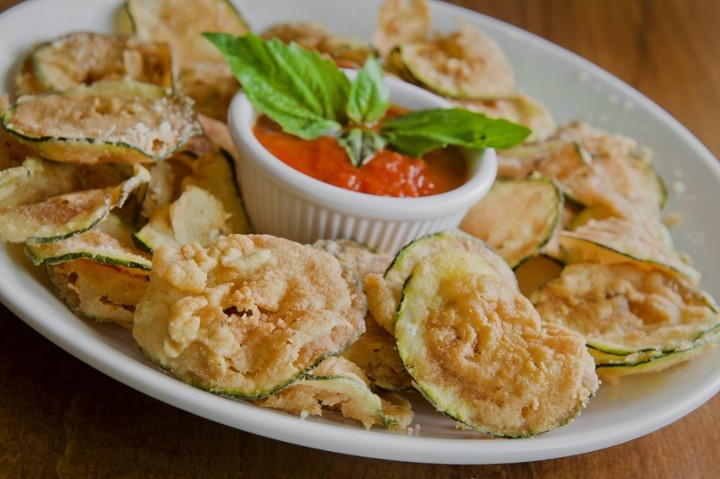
284	202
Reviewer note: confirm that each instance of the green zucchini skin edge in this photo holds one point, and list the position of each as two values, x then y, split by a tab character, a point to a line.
37	261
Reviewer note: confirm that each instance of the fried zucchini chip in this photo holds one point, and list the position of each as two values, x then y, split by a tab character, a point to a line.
245	316
197	216
400	22
181	23
553	158
86	57
478	351
631	313
98	291
110	242
118	122
535	272
43	204
624	186
215	172
338	384
644	241
523	237
599	142
346	51
521	109
374	351
465	64
384	291
211	85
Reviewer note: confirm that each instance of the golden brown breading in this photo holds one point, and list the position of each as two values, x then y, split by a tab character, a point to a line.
479	352
624	308
246	315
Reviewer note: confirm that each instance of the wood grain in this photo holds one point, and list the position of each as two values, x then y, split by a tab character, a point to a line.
61	418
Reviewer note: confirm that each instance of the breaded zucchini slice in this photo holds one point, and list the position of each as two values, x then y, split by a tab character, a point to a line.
628	187
197	216
553	158
465	64
45	204
517	237
400	22
215	172
99	291
87	57
180	24
165	185
478	351
611	366
338	384
519	108
384	291
644	241
634	314
120	122
110	242
247	315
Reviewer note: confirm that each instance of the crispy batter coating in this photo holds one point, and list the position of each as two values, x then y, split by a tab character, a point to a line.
338	384
478	351
624	308
246	315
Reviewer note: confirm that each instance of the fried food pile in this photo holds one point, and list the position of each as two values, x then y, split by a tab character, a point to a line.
117	175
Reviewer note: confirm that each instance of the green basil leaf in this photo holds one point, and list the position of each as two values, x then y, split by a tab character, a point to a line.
361	145
422	131
299	89
369	94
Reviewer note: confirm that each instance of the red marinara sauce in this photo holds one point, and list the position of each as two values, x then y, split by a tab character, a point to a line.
388	174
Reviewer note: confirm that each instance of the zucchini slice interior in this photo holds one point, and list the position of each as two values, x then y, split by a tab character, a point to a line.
215	172
517	218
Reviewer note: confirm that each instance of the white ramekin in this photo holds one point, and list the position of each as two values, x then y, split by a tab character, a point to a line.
284	202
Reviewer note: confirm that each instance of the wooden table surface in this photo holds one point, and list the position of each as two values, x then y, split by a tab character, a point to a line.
61	418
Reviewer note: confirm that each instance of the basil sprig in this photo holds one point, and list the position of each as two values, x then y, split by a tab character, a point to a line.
309	97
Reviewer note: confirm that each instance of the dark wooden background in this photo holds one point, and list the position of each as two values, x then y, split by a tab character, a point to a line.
61	418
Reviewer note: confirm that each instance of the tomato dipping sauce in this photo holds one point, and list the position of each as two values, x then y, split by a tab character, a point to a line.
388	174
